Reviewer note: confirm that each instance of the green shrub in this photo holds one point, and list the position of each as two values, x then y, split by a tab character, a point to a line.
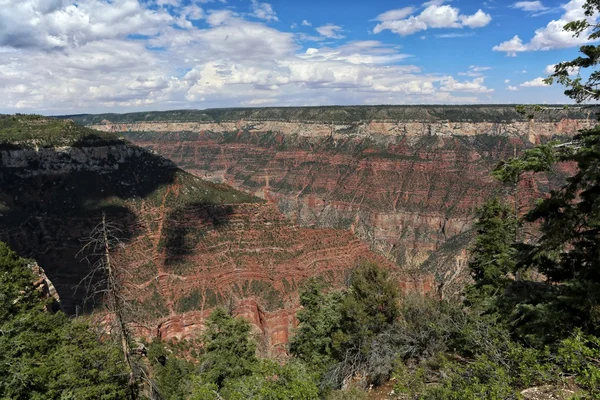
271	381
473	380
579	356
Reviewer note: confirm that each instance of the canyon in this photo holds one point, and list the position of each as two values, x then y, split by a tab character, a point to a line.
406	180
240	212
186	245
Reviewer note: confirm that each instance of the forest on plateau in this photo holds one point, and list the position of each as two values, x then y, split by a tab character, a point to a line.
527	326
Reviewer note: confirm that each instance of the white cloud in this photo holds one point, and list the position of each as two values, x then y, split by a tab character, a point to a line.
434	16
507	81
452	35
571	71
531	6
475	86
475	71
263	11
435	2
511	46
192	12
537	82
330	31
512	88
220	17
56	24
306	23
392	15
172	3
479	69
552	36
82	59
477	20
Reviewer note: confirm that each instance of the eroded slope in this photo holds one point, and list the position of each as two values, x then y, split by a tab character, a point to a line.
187	244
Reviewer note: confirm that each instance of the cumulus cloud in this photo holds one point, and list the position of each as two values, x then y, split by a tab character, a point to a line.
192	12
330	31
434	15
552	36
537	82
512	88
306	23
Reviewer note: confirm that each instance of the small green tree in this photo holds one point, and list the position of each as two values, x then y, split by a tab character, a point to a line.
171	374
493	254
17	293
318	319
229	351
369	309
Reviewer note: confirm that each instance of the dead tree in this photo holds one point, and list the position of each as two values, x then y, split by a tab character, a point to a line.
106	281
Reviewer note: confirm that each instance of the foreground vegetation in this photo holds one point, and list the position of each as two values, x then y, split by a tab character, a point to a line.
350	339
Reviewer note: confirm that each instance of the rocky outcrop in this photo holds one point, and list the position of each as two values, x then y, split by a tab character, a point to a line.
43	284
407	187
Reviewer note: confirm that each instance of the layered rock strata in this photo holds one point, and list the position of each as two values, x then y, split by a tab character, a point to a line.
408	188
185	245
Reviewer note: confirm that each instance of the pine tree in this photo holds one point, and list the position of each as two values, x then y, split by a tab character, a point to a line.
318	319
493	253
369	309
229	350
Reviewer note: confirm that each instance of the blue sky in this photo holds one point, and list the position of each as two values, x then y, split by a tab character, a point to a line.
72	56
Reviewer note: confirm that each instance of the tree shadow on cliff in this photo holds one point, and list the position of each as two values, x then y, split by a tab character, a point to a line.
53	198
186	226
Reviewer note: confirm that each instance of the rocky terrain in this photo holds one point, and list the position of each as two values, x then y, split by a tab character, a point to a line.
186	245
407	180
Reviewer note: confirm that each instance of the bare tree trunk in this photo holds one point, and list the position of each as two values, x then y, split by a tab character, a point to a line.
116	300
98	246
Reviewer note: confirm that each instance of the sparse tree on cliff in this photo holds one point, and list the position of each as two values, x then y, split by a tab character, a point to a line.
538	159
